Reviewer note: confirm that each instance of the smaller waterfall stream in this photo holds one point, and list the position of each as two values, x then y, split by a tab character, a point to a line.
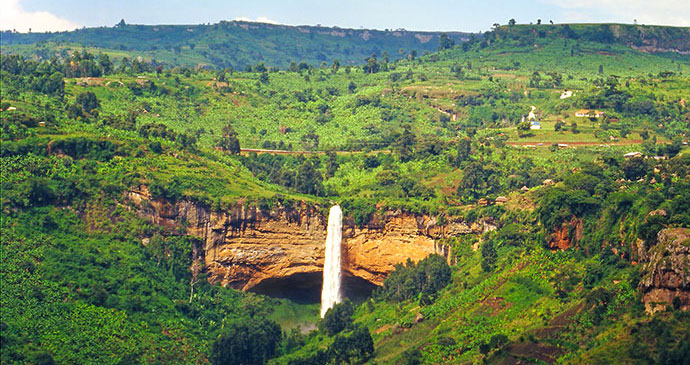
332	271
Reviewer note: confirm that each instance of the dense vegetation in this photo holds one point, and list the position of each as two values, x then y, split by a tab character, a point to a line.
86	279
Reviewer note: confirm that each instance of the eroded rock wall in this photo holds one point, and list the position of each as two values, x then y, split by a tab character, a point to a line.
244	245
666	270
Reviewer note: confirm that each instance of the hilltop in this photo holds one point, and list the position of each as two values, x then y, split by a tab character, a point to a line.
647	38
235	44
239	44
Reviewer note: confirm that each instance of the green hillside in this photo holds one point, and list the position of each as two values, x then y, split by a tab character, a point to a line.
232	44
561	278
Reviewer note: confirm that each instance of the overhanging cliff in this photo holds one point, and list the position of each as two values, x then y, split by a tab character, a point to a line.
244	246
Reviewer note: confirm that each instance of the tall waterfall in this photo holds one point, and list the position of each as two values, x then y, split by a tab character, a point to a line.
332	272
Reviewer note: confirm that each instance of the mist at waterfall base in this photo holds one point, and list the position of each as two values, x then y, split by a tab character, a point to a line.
332	270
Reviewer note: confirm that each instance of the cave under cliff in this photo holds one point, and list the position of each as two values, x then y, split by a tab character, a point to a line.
305	288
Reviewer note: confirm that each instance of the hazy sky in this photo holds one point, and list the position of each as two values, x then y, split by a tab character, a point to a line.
460	15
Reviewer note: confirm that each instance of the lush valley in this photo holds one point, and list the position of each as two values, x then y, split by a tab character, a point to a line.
139	196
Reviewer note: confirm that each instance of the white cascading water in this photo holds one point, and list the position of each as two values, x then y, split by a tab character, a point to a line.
332	273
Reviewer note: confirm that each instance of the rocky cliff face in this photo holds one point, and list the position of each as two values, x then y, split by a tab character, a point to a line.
569	234
244	246
666	270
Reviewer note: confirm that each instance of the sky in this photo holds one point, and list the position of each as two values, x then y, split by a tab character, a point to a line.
433	15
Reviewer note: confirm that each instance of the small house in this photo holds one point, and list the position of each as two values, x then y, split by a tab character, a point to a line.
566	94
632	154
548	182
586	113
501	200
534	125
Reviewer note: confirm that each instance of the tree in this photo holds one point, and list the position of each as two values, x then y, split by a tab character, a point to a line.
404	144
464	149
351	87
445	42
601	69
511	22
309	179
356	347
337	318
331	163
88	101
649	229
105	64
573	127
247	342
426	277
372	65
559	125
535	79
428	145
556	78
635	168
55	84
523	128
477	181
229	141
489	256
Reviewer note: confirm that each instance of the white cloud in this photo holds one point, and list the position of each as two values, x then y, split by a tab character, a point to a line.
261	19
13	16
657	12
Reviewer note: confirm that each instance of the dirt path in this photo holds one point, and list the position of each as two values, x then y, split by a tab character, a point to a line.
247	151
574	143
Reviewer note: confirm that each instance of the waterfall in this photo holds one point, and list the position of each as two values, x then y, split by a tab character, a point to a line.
332	273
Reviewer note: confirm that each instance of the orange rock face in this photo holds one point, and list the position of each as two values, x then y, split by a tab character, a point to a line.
243	246
373	253
567	235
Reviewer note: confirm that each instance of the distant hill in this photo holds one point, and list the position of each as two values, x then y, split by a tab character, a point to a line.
234	44
646	38
239	44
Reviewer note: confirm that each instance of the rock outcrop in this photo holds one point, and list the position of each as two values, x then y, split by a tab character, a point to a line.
569	234
245	245
666	271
